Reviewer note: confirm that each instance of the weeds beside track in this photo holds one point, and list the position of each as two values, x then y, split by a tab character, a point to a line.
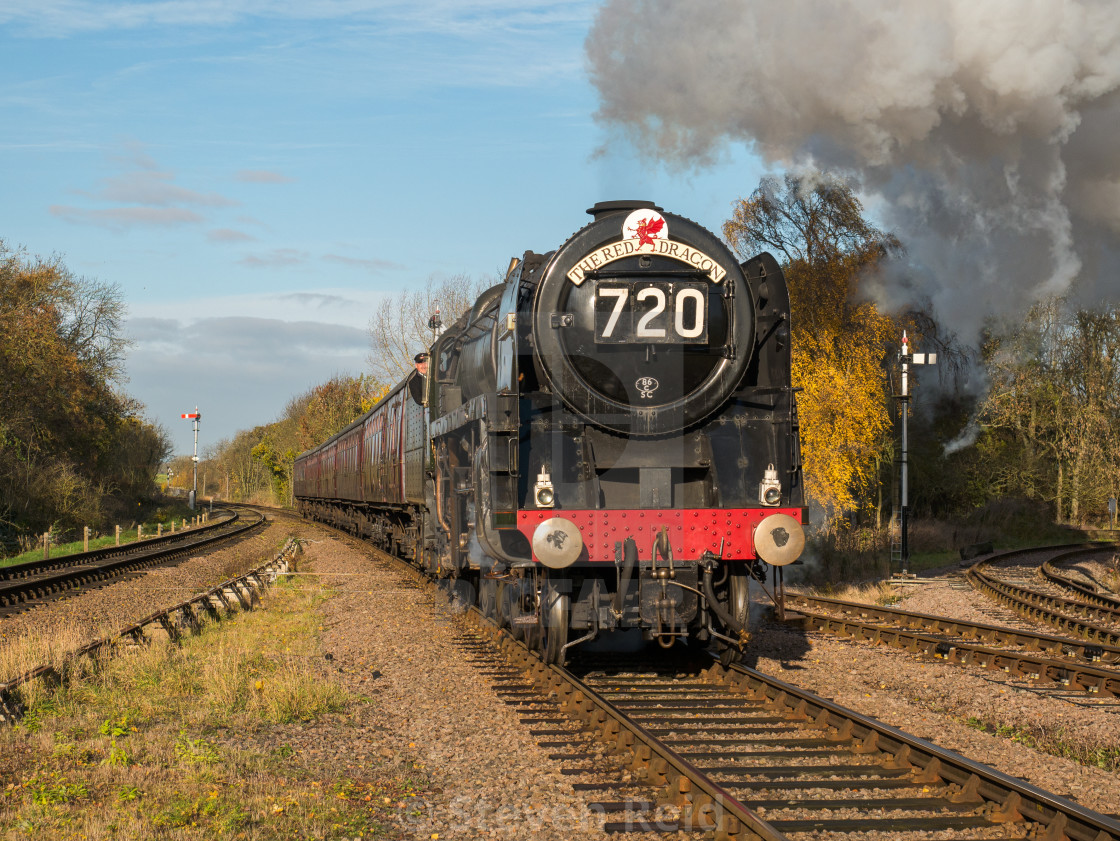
204	738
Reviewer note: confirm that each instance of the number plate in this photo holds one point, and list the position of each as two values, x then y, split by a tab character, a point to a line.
651	312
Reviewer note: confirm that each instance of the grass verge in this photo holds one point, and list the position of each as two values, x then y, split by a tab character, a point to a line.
153	519
875	592
1055	741
203	740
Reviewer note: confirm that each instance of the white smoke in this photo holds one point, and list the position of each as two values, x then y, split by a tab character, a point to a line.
966	438
985	133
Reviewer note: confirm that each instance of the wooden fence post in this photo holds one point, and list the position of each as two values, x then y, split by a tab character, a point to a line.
159	529
85	538
46	545
139	532
118	535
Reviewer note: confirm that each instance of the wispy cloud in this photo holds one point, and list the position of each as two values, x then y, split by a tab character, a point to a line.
155	189
171	362
132	155
370	265
346	306
275	259
228	235
265	339
262	176
461	18
319	300
143	195
123	218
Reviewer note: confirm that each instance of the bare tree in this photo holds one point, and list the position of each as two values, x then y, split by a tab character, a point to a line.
399	328
1053	384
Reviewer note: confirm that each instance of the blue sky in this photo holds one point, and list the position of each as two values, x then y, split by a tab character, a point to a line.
256	175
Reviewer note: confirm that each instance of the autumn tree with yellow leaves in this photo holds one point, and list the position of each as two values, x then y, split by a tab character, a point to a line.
257	464
814	225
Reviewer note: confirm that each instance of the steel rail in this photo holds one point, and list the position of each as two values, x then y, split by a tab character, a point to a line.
859	622
706	804
1097	608
30	568
1041	608
711	806
23	591
1032	641
243	589
1093	597
1064	673
1011	798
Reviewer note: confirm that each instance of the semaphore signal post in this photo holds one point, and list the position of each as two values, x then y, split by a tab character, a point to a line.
906	358
194	416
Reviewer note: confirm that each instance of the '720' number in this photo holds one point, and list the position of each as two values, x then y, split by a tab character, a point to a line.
651	312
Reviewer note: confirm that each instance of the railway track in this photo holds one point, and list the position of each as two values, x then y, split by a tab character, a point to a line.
733	752
1090	592
242	592
1042	658
1097	620
59	562
1087	665
25	585
688	746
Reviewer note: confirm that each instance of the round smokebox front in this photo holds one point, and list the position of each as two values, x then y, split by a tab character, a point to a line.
644	322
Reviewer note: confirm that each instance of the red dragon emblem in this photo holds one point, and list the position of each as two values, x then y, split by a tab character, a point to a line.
647	230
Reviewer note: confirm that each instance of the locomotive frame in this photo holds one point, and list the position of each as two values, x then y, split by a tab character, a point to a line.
606	440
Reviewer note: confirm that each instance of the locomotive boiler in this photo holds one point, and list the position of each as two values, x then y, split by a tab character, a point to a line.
606	440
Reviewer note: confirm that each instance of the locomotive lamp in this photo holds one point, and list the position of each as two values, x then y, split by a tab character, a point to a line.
770	488
543	493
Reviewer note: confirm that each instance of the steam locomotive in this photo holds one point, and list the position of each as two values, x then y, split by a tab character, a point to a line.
606	440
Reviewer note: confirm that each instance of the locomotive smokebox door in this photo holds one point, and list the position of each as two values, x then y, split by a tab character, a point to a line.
642	322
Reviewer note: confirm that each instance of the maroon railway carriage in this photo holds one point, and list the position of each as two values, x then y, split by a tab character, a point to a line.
369	478
607	440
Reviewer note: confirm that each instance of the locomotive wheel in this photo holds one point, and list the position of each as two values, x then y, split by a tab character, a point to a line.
739	596
505	604
521	595
531	634
488	597
460	590
552	624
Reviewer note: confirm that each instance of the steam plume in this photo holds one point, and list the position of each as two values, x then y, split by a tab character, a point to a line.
986	133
